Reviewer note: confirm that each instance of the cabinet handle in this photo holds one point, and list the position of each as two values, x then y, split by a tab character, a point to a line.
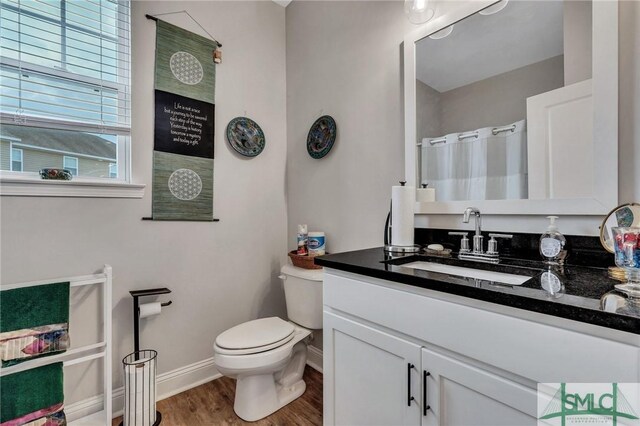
409	397
425	406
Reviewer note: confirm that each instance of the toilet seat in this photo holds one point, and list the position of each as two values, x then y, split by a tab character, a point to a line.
255	336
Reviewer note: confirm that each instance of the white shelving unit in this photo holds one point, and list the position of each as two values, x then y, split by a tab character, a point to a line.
84	353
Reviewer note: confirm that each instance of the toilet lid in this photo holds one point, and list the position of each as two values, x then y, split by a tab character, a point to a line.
256	334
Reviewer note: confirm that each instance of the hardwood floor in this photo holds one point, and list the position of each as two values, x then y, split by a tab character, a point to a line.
212	404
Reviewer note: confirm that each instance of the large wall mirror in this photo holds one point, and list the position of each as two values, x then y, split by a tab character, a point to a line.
512	106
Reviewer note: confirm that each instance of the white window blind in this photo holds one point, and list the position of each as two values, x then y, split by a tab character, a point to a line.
65	82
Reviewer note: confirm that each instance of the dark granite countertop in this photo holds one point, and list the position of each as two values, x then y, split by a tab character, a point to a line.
579	293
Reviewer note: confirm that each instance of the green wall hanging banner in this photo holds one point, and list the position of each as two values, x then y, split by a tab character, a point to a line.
183	156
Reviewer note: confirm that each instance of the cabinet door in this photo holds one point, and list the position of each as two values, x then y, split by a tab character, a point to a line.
370	377
459	394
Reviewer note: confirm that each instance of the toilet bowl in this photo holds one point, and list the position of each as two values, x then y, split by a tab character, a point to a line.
267	356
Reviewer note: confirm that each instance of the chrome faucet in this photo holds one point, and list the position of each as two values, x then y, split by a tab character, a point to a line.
477	239
478	254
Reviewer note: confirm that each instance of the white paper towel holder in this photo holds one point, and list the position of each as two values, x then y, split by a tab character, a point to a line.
389	247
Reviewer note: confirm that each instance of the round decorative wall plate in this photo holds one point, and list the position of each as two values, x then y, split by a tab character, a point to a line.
321	136
245	136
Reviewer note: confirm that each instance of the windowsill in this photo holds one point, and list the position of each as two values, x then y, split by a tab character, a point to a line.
19	186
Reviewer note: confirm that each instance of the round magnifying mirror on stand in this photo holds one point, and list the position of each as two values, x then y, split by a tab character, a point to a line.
622	216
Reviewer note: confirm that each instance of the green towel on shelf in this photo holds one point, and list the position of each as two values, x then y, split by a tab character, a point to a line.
34	306
34	322
31	390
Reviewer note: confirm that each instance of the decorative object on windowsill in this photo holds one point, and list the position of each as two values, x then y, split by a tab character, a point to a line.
303	261
321	137
245	136
55	174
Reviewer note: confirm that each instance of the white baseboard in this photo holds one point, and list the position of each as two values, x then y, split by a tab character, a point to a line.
314	358
168	384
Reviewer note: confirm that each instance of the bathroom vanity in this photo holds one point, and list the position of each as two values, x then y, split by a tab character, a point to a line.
406	345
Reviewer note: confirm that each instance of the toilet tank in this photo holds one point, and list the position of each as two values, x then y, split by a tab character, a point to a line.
303	293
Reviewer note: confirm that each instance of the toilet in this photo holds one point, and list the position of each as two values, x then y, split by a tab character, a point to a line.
267	356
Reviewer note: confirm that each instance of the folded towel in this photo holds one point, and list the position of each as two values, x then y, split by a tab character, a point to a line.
33	322
31	342
51	416
55	419
30	391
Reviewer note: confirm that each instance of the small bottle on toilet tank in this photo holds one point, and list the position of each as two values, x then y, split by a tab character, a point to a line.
303	240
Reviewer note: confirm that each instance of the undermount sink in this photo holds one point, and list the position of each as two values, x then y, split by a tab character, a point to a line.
496	277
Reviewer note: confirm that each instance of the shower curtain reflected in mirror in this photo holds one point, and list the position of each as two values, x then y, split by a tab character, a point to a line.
484	164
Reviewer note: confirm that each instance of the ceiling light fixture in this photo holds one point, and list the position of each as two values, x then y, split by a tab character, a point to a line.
494	8
418	11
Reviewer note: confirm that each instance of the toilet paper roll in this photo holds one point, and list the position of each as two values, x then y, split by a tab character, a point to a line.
402	203
149	309
140	394
425	195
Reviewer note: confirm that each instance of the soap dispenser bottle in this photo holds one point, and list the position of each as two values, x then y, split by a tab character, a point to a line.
552	244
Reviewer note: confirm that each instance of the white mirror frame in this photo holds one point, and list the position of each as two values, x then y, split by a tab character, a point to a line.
605	131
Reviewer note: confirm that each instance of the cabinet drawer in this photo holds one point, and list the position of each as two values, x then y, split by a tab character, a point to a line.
536	351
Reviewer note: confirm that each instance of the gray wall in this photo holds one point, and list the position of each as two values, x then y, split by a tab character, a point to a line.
221	273
495	101
498	100
577	40
344	59
428	111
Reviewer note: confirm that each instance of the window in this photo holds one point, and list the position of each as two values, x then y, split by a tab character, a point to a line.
65	84
16	159
71	164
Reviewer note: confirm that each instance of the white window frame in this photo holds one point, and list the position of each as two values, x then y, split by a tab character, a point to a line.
76	168
12	148
19	183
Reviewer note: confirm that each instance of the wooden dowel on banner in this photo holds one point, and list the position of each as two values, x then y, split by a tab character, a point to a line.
180	220
153	18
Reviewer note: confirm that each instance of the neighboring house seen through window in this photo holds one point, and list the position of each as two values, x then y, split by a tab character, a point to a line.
65	85
71	164
16	159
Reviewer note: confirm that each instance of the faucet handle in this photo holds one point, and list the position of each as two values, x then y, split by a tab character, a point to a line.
464	242
493	244
506	236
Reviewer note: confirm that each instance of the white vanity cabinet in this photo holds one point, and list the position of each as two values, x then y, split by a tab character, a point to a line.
386	343
376	376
